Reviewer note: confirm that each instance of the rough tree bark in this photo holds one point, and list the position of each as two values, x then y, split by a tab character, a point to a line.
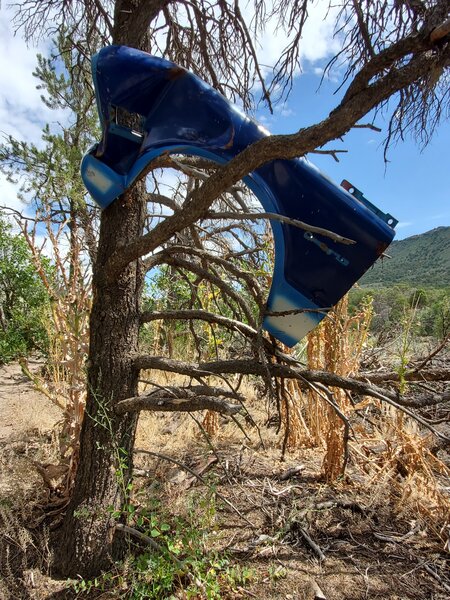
86	542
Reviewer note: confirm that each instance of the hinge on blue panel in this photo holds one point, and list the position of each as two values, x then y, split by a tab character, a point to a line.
387	218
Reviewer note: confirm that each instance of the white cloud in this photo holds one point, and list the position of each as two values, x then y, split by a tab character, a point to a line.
22	112
317	41
9	200
285	111
442	215
8	195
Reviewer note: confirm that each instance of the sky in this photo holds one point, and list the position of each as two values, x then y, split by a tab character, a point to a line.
411	186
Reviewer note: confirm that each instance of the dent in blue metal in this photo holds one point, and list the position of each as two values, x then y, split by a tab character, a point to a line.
179	113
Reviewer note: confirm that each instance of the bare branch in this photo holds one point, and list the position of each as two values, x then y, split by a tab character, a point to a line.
424	401
304	376
414	375
145	538
282	219
156	401
208	275
433	353
367	126
203	315
332	153
209	258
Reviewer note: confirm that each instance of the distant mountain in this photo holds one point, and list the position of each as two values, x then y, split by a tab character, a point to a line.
418	260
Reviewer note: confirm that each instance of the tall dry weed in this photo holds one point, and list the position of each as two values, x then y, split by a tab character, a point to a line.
69	287
416	479
335	346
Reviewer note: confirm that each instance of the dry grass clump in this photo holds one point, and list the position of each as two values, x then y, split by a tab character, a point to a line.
21	551
418	481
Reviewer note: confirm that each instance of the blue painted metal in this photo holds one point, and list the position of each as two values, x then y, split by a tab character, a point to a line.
179	113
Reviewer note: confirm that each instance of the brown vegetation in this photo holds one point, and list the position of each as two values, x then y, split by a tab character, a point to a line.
379	531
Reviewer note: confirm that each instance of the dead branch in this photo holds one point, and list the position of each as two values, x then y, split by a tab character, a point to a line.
197	476
332	153
296	311
318	594
396	539
292	472
282	219
363	384
210	257
367	126
179	400
191	171
424	401
349	505
219	282
437	577
433	353
145	538
295	527
415	375
424	422
304	376
200	314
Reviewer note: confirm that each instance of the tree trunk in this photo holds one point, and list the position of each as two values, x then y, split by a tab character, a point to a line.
106	449
87	539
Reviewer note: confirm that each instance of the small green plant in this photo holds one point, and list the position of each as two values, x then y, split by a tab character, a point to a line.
277	572
183	566
238	575
175	558
409	323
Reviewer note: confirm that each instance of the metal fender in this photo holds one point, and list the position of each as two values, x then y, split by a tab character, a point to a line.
176	112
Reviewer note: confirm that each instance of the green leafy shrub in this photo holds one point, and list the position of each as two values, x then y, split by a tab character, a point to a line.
184	566
431	307
24	301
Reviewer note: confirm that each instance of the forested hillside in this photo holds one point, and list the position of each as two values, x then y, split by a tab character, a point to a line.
418	260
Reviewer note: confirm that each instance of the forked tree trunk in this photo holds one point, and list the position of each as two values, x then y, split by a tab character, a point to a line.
86	541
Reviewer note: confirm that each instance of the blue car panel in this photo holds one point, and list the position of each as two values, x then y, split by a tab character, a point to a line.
176	112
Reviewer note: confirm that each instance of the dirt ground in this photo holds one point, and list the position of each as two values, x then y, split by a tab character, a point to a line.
300	538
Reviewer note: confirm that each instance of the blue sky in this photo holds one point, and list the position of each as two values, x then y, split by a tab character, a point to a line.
410	187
